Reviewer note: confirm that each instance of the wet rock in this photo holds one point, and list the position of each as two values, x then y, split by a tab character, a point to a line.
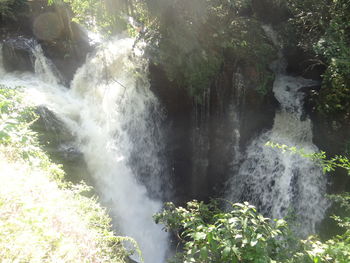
302	64
178	109
202	140
63	41
58	142
68	52
17	55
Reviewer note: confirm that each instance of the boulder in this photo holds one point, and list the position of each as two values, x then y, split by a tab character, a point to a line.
17	55
64	42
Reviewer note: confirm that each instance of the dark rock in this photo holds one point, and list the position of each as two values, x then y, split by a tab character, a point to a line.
17	22
221	128
302	64
333	136
68	52
178	109
58	142
200	137
17	54
64	42
258	115
270	12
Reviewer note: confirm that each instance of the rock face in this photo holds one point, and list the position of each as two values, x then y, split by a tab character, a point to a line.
205	140
17	54
333	137
178	109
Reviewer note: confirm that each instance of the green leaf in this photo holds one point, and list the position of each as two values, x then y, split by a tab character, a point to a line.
199	236
204	252
226	252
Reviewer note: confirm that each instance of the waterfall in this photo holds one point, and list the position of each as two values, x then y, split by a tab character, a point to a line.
234	113
44	68
109	109
2	69
276	182
200	148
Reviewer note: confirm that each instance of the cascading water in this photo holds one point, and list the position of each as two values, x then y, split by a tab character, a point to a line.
234	113
278	182
109	100
44	68
200	148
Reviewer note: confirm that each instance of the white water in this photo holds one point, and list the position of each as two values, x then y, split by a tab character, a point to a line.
107	101
277	182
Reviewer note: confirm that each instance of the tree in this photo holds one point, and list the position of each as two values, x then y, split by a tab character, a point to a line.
323	30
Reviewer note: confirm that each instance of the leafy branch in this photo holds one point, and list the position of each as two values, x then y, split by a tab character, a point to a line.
328	165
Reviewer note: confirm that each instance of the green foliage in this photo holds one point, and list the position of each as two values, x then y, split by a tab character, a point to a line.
212	235
107	17
266	79
42	217
192	40
323	28
209	234
327	164
15	121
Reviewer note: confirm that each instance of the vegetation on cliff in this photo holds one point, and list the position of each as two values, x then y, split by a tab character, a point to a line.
44	218
193	41
107	17
9	9
322	30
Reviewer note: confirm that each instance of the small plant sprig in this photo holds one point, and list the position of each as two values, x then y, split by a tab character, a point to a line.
328	165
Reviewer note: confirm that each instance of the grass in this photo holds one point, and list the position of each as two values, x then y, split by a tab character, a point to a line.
42	217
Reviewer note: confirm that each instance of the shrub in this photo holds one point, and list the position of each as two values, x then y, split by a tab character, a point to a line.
209	234
42	217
